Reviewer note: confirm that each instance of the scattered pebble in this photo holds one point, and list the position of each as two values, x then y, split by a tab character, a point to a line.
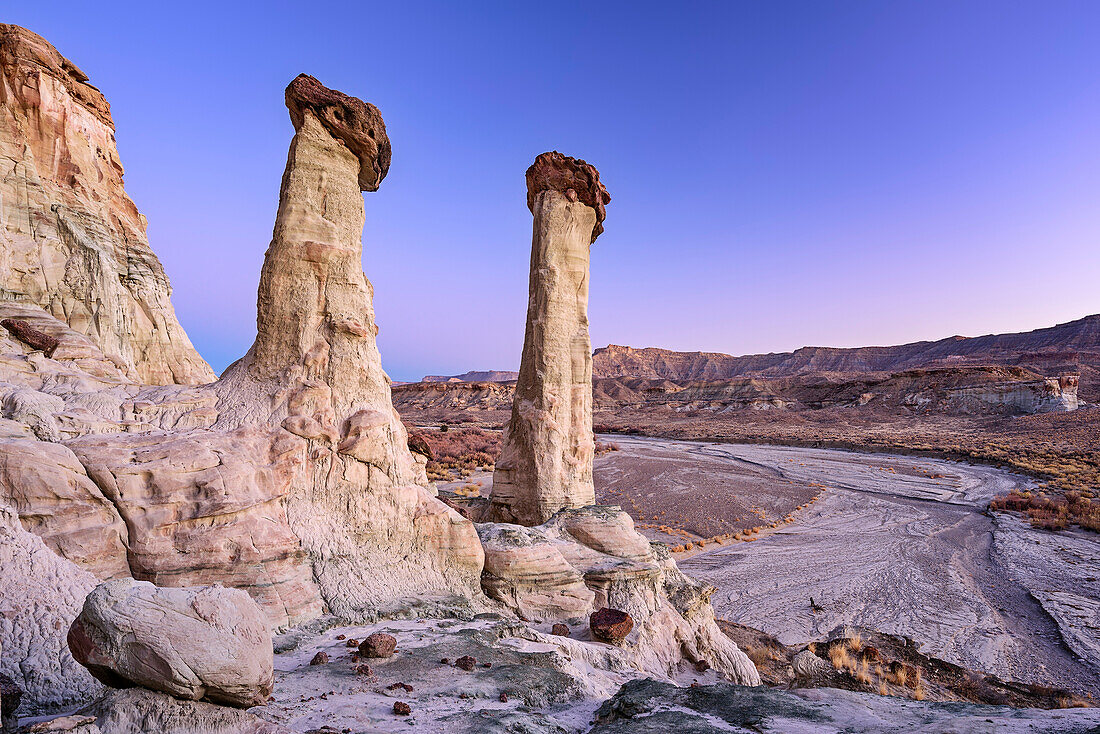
340	637
401	708
561	630
504	698
319	659
445	661
352	642
466	663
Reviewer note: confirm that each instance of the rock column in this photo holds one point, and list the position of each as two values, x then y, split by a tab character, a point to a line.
378	539
546	461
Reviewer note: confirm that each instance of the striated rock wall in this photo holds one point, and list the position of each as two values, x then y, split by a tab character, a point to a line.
546	460
71	240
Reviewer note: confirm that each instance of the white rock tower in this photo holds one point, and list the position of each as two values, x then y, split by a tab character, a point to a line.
546	461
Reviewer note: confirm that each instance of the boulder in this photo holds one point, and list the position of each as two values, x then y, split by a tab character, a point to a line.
378	645
610	625
208	642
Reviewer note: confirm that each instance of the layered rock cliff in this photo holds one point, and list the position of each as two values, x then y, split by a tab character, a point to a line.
71	241
1070	348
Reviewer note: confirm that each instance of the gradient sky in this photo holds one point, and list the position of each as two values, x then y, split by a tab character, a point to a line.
782	173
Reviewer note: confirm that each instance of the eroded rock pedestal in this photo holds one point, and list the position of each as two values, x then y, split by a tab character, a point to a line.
546	460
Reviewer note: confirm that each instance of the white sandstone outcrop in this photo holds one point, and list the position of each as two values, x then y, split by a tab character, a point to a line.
71	240
40	595
546	459
205	642
586	559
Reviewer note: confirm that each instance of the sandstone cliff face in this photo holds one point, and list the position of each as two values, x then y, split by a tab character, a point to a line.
71	240
546	460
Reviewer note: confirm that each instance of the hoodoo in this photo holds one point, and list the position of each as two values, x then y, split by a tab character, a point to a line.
546	461
374	532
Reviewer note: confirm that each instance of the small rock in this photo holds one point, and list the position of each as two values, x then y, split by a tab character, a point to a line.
319	659
340	637
504	698
405	686
466	663
610	625
352	642
445	661
486	665
378	645
561	630
364	669
401	708
463	696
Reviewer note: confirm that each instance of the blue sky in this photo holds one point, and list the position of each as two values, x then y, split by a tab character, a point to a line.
782	173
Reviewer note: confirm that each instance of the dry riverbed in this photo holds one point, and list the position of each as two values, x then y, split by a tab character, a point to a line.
899	544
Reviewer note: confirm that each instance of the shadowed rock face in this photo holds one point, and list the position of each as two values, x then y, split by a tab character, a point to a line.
546	461
355	123
71	241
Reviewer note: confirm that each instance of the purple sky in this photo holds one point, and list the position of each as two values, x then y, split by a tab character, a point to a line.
781	173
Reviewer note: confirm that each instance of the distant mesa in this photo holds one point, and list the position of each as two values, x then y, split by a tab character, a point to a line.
475	376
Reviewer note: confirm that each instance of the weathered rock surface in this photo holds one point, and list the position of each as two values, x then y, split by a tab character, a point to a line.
196	643
48	487
71	240
164	486
546	460
40	595
139	711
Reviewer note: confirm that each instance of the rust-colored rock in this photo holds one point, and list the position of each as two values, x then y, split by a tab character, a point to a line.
378	645
355	123
419	445
401	708
352	642
610	625
577	179
31	336
559	629
466	662
320	658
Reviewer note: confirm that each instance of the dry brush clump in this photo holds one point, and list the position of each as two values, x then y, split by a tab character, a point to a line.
459	451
